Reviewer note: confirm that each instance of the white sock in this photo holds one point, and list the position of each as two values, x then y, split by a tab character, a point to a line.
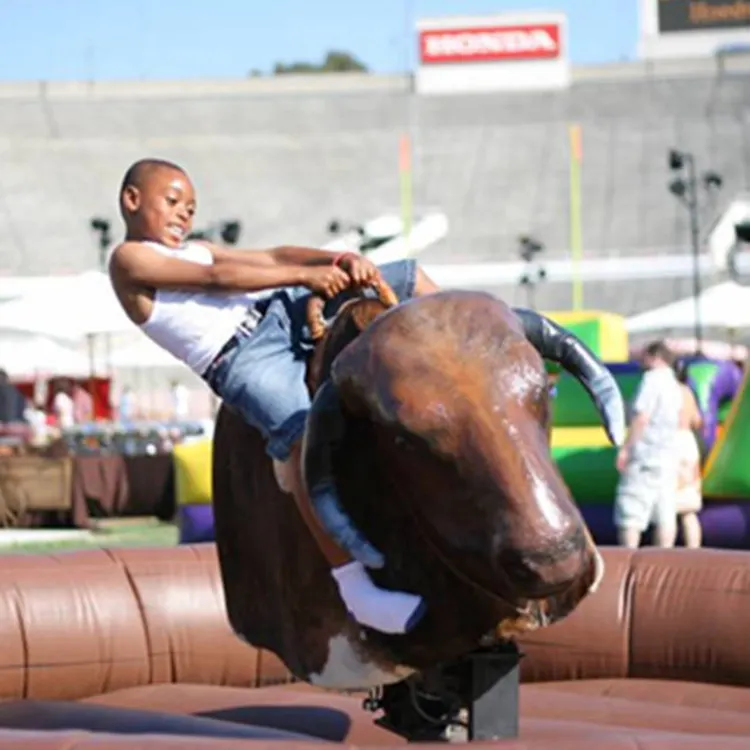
383	610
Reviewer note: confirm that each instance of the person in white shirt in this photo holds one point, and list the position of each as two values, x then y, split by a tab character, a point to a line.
180	396
126	408
648	461
63	406
236	319
36	418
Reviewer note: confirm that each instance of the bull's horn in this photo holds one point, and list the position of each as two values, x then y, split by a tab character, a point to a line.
561	346
325	430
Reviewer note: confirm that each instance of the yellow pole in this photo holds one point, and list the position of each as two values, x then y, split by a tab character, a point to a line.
576	232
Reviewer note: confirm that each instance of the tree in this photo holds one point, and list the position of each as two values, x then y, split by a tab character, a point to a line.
335	61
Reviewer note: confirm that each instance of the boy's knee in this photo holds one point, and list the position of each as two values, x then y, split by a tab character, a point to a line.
285	441
423	284
284	472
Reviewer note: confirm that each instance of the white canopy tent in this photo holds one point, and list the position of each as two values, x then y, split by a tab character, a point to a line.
13	287
72	309
725	306
22	355
144	354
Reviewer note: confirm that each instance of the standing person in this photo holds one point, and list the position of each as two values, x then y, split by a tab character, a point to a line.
62	405
12	402
689	490
127	406
648	462
83	404
180	400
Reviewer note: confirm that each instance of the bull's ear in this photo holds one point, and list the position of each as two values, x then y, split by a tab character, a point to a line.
323	434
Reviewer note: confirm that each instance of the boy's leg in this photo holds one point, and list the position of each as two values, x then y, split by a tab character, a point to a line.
665	511
423	284
289	477
381	609
264	381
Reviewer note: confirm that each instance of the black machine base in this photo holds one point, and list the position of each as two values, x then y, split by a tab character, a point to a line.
484	686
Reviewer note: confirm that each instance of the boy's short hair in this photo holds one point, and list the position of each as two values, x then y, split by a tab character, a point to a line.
661	350
140	170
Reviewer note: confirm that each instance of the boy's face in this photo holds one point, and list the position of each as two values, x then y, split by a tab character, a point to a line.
162	208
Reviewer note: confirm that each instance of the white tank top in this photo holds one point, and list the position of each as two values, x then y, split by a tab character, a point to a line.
191	324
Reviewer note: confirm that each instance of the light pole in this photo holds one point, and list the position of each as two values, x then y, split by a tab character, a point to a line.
738	256
684	187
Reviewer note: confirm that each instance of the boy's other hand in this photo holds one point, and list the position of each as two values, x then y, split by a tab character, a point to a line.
362	272
326	280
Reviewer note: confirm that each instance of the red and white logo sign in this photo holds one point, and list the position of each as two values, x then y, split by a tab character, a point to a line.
527	42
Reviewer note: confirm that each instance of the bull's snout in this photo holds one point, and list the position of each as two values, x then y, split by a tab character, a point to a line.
544	572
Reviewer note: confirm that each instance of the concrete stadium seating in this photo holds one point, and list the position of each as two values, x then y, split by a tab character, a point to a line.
285	161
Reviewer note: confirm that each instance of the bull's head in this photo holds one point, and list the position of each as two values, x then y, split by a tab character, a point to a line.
456	384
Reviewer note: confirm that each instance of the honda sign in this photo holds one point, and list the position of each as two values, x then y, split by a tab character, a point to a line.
527	42
523	51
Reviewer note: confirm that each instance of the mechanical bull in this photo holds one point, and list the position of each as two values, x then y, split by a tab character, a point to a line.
429	426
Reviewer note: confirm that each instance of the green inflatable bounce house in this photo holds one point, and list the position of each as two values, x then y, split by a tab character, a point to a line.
578	442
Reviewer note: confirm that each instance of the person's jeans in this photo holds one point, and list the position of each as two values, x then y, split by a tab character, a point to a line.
263	375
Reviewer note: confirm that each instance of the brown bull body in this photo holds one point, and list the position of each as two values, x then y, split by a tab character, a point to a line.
444	465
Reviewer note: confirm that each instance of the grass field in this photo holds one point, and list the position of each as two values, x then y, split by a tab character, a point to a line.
142	532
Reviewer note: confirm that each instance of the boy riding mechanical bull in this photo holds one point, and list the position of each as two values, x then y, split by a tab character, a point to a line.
238	320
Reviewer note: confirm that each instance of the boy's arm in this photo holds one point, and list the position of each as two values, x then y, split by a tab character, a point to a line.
360	269
287	255
643	407
139	265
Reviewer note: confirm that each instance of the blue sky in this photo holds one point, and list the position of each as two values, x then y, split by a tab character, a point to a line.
103	39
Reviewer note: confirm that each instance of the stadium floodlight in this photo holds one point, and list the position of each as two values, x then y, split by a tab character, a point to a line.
336	226
742	231
712	180
230	231
102	227
676	160
678	188
528	249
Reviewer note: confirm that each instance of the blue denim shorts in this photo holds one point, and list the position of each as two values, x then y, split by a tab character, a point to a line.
263	376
